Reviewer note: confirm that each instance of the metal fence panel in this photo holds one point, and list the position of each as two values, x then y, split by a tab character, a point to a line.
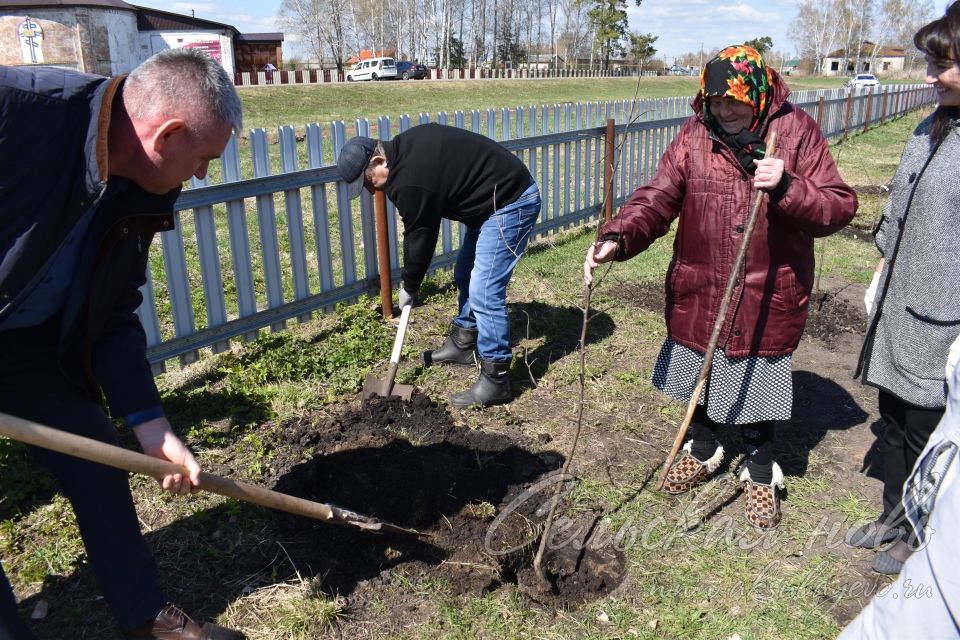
564	153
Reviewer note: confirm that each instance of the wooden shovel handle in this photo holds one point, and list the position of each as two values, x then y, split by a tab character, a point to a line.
717	325
107	454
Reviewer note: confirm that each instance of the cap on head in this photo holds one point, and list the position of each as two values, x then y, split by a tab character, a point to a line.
352	163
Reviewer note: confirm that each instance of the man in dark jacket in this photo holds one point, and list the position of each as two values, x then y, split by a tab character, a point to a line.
89	171
431	172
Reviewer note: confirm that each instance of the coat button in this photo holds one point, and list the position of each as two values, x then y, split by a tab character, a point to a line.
737	332
744	177
739	228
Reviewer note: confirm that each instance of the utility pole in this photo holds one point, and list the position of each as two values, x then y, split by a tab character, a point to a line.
700	66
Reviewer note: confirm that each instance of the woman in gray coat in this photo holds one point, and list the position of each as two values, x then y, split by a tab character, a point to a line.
912	344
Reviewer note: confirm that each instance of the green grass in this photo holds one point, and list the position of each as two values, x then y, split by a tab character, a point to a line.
273	106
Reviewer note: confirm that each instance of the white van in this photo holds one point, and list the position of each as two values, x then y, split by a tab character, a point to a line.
373	69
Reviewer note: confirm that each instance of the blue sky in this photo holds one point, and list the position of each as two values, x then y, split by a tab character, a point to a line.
681	25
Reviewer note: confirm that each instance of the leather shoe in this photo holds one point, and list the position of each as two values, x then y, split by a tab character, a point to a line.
173	624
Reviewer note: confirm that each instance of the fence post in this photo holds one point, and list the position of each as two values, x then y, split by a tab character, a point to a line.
846	116
608	173
866	115
820	113
883	105
383	253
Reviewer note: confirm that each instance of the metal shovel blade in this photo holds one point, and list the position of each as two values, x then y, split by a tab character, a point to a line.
385	388
374	387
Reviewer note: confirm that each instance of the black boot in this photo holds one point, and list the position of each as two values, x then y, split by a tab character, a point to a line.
458	348
492	387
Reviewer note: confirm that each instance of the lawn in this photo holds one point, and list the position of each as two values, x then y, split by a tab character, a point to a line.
273	106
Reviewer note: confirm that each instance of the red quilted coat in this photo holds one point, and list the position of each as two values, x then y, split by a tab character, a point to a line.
700	181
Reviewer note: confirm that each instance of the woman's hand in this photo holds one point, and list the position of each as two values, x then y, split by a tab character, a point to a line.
599	252
769	172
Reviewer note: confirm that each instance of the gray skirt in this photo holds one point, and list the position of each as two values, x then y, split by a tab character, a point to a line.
739	391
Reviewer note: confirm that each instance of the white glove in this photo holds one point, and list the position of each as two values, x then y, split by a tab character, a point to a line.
953	356
871	292
405	298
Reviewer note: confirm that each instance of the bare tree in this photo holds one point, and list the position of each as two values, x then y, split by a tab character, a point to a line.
322	24
815	30
859	17
906	21
576	35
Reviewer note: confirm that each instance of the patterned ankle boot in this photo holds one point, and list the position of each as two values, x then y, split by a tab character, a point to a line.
762	501
687	472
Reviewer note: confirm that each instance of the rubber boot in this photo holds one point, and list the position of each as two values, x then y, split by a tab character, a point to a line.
458	348
492	387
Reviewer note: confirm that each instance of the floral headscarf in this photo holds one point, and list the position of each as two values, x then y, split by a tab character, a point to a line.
740	73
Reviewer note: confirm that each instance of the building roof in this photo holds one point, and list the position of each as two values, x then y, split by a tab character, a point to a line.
37	4
372	53
156	20
261	37
866	50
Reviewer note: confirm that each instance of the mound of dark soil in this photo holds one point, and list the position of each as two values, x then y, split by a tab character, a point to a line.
645	295
831	317
482	497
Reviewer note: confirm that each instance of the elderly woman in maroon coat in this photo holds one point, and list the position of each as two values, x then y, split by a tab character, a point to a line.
707	179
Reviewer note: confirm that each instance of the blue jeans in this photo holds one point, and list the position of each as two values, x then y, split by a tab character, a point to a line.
488	256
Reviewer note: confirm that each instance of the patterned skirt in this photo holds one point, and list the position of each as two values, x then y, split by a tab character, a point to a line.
739	391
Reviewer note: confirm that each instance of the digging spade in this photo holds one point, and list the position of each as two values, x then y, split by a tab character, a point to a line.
374	386
120	458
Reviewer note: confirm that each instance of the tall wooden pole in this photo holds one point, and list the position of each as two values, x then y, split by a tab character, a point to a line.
383	253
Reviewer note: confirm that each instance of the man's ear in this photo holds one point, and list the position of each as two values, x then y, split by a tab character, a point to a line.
378	159
166	132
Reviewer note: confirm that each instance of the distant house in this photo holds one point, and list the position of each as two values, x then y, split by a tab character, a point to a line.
873	59
254	51
790	67
110	37
544	61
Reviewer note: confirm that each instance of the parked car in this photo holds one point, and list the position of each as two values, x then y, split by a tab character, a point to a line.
677	70
373	69
864	80
411	70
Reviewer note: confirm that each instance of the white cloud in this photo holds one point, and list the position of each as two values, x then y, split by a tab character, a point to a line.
683	25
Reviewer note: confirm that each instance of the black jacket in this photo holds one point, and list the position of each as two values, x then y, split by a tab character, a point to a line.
53	169
437	172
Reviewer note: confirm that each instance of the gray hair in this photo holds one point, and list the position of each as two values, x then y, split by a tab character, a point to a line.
183	82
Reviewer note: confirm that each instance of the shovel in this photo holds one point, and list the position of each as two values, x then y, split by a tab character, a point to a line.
120	458
374	386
